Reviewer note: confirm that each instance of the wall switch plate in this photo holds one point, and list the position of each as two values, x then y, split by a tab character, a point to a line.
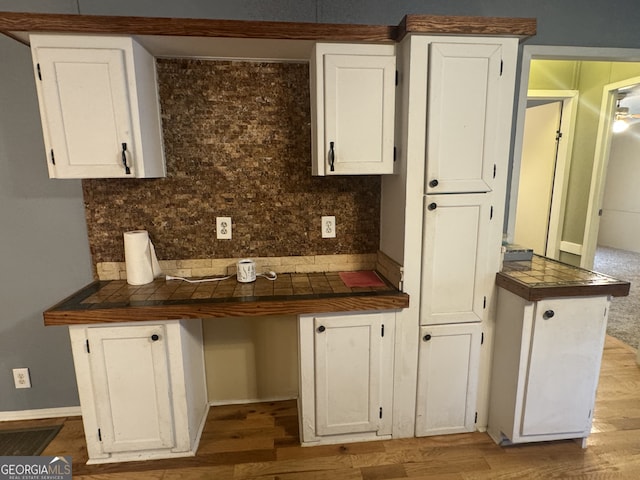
329	227
21	378
223	228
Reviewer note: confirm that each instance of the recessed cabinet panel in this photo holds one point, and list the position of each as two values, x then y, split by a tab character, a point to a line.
348	353
130	373
454	265
462	124
447	379
86	99
564	363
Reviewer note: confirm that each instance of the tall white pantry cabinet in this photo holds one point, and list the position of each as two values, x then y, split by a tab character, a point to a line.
453	132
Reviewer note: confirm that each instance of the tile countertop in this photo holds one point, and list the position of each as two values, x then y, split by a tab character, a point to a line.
543	278
290	294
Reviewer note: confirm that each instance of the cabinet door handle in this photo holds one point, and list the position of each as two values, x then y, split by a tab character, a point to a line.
332	157
427	337
548	314
127	170
321	328
432	206
155	337
433	183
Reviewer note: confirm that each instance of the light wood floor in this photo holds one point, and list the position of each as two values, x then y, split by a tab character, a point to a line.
260	441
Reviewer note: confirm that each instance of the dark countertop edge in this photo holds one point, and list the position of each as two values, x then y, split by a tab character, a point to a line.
67	311
534	293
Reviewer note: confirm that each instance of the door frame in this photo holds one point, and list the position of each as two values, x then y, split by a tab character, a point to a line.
569	99
546	52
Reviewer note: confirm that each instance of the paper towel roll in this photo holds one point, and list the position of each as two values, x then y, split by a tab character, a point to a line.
140	258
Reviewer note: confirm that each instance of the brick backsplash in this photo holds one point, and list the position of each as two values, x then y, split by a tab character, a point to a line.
237	142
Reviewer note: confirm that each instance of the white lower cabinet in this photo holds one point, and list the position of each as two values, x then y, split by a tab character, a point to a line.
346	376
546	366
448	363
142	389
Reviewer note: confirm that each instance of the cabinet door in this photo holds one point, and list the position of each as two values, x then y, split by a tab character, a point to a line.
359	104
564	365
85	111
348	373
454	260
447	379
462	122
129	367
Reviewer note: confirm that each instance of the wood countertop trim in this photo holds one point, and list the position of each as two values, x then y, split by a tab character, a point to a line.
465	25
115	301
197	27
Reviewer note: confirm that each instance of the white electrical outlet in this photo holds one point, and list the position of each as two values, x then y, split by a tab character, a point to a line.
223	228
21	378
329	227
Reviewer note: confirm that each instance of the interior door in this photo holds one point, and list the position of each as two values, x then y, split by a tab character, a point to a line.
537	169
130	369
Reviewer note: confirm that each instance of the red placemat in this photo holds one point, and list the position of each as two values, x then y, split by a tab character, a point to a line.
361	279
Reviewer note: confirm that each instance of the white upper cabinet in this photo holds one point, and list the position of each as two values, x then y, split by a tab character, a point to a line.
352	109
99	107
455	274
463	116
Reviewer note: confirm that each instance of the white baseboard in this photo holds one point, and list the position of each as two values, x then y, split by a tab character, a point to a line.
218	403
40	413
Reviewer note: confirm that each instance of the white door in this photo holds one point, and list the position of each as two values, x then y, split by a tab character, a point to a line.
455	276
359	93
462	122
564	365
348	356
129	366
86	115
537	168
447	379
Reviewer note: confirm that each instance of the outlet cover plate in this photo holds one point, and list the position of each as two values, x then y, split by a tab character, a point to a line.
21	378
223	228
329	226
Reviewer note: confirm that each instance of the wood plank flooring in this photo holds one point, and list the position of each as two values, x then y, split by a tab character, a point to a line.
260	441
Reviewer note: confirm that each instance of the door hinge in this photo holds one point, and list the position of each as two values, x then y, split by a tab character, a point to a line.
491	213
382	331
600	212
605	312
39	72
395	152
484	302
88	349
494	170
380	414
558	135
99	435
397	77
53	157
475	420
501	66
482	338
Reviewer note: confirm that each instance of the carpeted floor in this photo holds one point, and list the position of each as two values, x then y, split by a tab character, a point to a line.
624	316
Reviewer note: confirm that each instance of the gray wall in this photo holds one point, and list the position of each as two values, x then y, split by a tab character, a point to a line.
43	246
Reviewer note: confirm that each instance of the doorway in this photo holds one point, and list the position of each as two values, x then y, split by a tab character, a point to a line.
574	244
544	167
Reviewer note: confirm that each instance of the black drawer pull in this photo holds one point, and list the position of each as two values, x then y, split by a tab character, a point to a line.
432	206
433	183
155	337
321	329
548	314
427	337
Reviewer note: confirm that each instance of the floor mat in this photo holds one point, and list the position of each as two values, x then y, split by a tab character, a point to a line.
27	441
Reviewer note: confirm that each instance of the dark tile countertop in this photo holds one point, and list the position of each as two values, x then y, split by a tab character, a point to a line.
290	294
546	278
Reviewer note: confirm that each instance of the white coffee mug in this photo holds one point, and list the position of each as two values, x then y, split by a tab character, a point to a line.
246	270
